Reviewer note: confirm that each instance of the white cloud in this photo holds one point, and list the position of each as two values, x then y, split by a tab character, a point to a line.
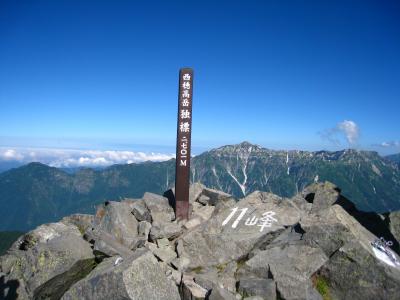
389	144
350	130
347	128
10	154
78	158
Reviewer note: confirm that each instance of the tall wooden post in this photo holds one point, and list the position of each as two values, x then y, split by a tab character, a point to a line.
183	143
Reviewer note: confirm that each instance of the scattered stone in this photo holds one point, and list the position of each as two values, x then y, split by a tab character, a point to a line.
203	199
191	290
140	211
139	277
192	223
195	191
179	248
205	212
165	230
174	275
195	207
181	263
218	293
163	243
151	246
263	288
256	298
144	228
106	244
277	262
165	254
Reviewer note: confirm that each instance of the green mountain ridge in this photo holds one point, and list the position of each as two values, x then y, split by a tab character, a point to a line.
35	193
394	157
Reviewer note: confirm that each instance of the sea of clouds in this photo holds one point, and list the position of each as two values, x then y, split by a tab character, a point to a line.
69	158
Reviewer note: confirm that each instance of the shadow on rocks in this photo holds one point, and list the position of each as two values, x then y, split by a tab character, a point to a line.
8	290
372	221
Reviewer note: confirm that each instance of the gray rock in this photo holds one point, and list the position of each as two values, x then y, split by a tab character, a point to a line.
159	208
264	288
47	261
179	247
208	280
163	243
181	263
290	265
82	221
138	277
195	206
193	222
195	191
165	254
140	211
116	219
301	204
191	290
205	212
174	275
225	237
106	244
203	199
221	294
321	195
394	224
354	273
215	196
144	229
165	230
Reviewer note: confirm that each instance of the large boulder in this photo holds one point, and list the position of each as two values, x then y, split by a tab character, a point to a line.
45	262
137	277
105	244
116	219
159	208
234	232
353	273
290	265
321	195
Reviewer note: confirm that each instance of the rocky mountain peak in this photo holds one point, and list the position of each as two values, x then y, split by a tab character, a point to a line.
316	245
242	148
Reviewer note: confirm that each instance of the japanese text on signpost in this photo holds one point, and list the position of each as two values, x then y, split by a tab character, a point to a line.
183	143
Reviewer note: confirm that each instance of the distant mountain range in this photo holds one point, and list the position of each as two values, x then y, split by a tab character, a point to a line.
36	193
394	157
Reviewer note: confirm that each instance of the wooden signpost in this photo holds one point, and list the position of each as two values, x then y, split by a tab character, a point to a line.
183	143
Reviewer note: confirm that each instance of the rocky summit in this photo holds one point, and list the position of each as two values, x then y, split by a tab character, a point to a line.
315	245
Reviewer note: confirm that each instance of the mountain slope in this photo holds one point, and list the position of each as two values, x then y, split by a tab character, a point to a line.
394	157
36	194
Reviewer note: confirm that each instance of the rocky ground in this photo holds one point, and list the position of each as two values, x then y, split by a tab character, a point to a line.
316	245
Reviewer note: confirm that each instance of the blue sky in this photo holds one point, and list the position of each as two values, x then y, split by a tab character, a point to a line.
283	74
